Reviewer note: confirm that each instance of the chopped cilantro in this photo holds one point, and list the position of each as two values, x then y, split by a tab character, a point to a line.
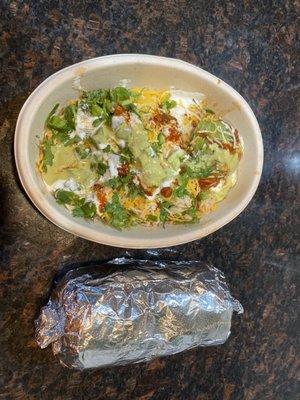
126	155
98	103
82	151
135	190
81	207
70	115
57	123
52	112
124	97
62	125
47	153
101	103
87	210
164	213
125	103
120	181
126	182
120	94
198	144
78	212
132	107
74	140
66	197
108	105
97	122
118	217
96	110
61	136
199	172
101	168
166	105
95	97
196	168
180	191
192	212
114	183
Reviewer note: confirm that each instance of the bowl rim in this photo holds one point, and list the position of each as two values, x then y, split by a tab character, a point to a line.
74	227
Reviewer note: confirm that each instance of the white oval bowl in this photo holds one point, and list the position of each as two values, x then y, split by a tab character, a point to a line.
141	70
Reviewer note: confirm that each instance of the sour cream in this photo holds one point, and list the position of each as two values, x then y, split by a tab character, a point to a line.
183	102
84	124
113	164
69	184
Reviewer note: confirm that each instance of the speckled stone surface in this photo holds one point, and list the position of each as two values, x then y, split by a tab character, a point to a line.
252	46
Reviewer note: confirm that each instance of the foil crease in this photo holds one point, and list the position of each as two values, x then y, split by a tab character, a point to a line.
127	311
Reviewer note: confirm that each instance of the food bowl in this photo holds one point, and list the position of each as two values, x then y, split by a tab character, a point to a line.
140	70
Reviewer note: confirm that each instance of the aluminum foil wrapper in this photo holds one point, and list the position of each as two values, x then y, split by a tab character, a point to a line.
127	311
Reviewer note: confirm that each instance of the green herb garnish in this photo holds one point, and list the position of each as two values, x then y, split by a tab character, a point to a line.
199	172
101	168
101	103
61	136
61	126
192	212
74	140
95	97
180	191
167	105
114	183
120	94
66	197
47	153
126	155
83	152
58	123
81	207
119	218
87	210
70	115
107	149
164	212
135	190
126	182
198	144
96	110
52	112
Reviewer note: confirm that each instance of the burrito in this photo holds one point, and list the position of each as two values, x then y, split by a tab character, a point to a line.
127	311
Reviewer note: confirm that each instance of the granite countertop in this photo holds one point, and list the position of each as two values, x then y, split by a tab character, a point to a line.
250	45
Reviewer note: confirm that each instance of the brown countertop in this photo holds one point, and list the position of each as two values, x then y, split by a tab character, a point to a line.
250	45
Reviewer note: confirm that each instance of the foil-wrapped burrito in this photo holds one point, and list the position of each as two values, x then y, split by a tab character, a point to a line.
126	311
